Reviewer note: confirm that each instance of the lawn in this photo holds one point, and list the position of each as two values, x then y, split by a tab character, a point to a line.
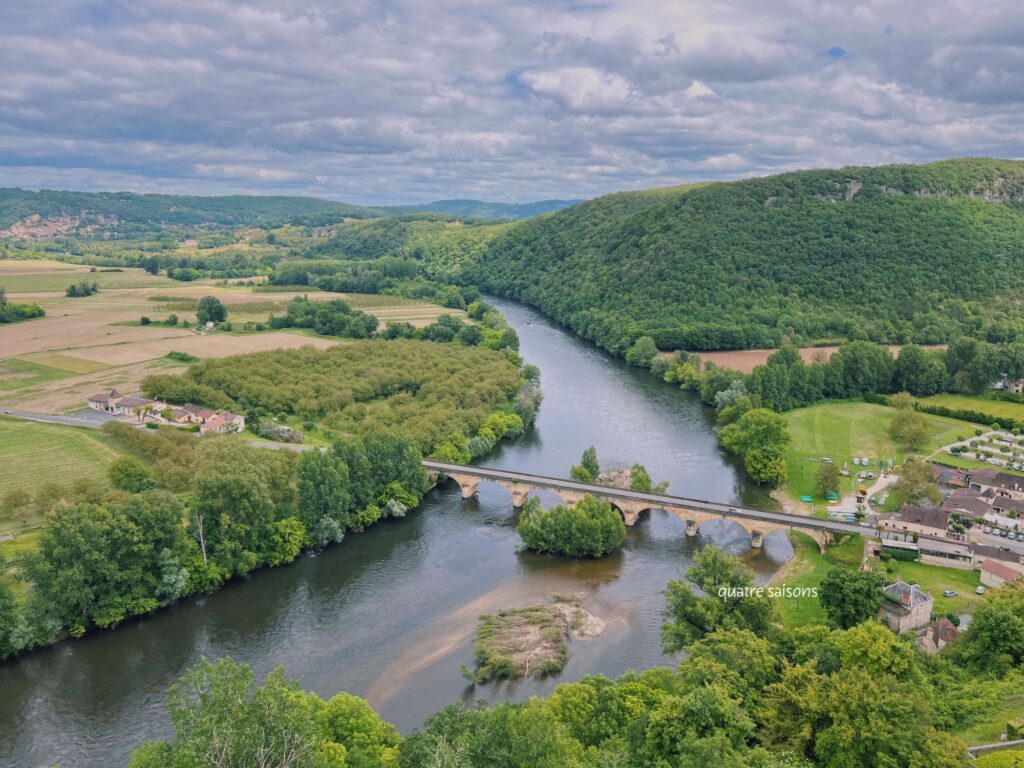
933	579
806	569
997	408
33	454
841	430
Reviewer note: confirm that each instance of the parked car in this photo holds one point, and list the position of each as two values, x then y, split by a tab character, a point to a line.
826	460
1002	533
980	590
949	593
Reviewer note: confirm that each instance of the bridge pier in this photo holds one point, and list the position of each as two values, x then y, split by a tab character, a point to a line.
692	528
467	484
756	539
520	493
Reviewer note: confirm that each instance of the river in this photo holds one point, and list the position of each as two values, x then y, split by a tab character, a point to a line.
390	614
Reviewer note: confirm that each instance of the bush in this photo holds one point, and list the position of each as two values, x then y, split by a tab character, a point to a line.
591	528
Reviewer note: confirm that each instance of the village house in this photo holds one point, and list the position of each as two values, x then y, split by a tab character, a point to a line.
223	422
124	405
105	402
906	607
1008	507
1009	384
983	552
995	573
1000	484
936	636
966	502
192	414
927	521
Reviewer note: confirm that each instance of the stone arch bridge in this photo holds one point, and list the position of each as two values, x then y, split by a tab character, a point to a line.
757	522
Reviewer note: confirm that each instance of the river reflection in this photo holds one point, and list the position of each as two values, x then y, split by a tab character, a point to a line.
390	613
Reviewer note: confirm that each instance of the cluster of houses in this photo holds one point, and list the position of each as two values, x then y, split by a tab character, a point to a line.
985	497
142	410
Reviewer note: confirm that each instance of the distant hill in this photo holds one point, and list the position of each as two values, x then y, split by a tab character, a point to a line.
478	209
50	213
894	254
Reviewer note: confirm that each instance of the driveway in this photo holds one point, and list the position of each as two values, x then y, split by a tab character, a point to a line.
90	418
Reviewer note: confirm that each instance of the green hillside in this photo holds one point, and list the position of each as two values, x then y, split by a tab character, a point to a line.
182	210
480	209
893	254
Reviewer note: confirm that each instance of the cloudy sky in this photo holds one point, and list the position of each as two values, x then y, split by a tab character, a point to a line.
382	102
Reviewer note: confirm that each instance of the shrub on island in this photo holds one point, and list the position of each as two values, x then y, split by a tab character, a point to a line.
591	528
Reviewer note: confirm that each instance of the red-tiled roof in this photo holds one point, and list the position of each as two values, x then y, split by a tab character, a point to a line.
1001	570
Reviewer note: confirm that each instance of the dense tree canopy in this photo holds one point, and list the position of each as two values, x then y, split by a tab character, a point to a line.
858	253
425	391
591	527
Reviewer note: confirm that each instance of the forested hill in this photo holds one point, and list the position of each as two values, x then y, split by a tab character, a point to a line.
894	254
479	209
53	213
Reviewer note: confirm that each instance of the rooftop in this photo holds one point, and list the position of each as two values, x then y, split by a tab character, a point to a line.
1001	570
932	517
906	595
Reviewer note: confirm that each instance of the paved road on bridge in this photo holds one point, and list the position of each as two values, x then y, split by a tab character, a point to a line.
657	500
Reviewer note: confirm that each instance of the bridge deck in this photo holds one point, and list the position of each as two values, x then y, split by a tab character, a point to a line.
656	500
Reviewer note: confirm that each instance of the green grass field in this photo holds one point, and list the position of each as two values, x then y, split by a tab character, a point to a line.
997	408
806	569
934	579
841	430
33	454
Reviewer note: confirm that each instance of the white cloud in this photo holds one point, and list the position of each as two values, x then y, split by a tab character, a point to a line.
411	100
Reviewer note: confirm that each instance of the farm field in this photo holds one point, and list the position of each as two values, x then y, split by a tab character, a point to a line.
744	360
30	452
999	409
95	343
841	430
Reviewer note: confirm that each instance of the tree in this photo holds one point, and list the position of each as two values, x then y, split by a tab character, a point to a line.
995	639
916	484
129	474
8	619
323	496
850	597
640	480
98	564
827	479
759	437
590	528
219	720
728	601
902	401
210	310
854	718
642	353
588	470
910	428
14	499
